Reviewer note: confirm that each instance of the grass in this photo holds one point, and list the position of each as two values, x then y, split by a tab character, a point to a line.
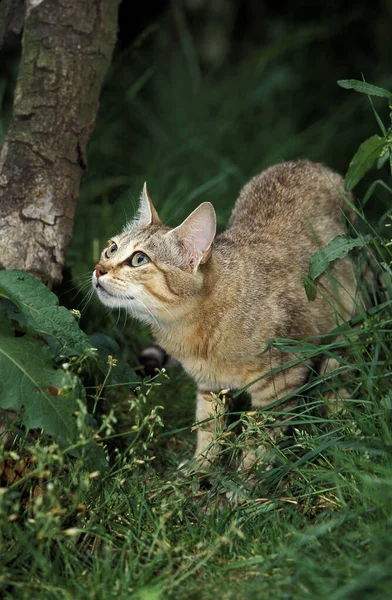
316	525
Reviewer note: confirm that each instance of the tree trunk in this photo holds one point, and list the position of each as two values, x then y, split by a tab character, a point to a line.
67	48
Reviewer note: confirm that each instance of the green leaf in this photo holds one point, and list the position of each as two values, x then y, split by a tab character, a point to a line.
337	248
378	118
5	325
364	88
372	189
383	159
48	396
37	310
310	288
368	152
45	397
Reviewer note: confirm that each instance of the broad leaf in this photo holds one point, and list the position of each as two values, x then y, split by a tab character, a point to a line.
28	380
368	152
5	325
383	159
37	310
337	248
364	88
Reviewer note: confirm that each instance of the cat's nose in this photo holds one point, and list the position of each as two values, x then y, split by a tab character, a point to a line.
99	270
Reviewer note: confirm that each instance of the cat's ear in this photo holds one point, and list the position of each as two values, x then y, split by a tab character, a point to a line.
196	235
147	215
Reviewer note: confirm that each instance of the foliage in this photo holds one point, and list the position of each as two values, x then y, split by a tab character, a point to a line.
365	88
43	334
43	352
36	309
338	248
375	148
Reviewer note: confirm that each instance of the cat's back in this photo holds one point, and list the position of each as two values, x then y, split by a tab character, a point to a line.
286	199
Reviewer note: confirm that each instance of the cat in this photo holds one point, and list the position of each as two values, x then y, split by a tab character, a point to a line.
214	302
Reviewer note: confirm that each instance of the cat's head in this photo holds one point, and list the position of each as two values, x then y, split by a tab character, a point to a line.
151	270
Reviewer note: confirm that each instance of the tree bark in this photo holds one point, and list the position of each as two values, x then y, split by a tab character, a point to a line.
66	50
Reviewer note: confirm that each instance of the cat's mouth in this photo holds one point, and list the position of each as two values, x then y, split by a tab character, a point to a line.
101	290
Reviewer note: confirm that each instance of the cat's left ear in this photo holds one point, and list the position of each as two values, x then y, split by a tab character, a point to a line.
196	235
147	215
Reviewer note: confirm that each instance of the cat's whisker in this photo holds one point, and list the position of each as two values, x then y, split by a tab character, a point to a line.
75	278
80	290
125	320
81	284
80	287
83	276
85	299
118	318
149	311
86	277
83	304
86	281
109	312
172	317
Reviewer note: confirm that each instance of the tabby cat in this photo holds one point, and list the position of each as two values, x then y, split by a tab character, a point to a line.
214	302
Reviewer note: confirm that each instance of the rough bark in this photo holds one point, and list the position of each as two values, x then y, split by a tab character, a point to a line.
67	48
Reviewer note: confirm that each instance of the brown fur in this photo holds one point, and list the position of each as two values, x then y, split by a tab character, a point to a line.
215	310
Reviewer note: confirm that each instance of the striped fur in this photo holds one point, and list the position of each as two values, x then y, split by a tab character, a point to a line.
214	306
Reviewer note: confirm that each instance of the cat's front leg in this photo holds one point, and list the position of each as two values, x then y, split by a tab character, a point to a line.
265	392
210	418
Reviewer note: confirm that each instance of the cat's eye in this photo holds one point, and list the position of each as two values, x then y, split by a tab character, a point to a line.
111	250
138	259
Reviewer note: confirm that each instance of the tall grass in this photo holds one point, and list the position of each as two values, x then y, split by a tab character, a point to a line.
201	140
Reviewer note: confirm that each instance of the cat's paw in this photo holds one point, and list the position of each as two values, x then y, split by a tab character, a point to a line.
334	401
236	497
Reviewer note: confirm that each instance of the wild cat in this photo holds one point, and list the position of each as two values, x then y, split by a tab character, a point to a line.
214	302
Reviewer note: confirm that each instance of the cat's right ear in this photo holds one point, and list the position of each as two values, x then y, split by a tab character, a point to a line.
196	235
146	215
